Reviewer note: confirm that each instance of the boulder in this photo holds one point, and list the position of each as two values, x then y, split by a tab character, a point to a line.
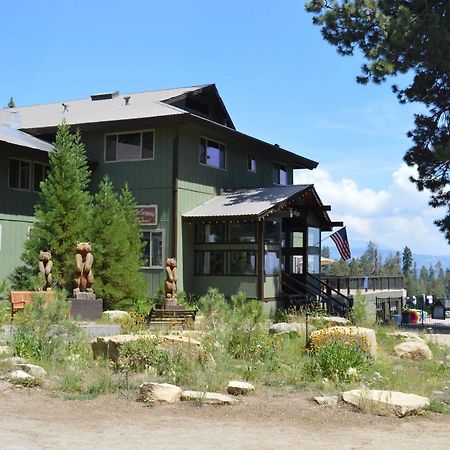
327	401
331	320
31	369
395	402
413	350
159	392
189	347
109	346
115	315
21	377
407	336
286	328
210	398
239	388
369	333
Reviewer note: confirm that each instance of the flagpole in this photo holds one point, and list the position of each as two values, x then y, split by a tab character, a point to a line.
326	237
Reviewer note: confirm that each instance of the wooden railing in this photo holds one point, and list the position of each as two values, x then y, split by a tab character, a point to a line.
348	285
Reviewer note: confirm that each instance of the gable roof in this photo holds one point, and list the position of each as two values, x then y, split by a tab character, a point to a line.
256	203
17	137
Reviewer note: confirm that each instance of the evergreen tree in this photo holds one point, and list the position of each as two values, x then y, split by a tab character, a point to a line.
407	260
63	210
325	251
11	103
396	37
118	247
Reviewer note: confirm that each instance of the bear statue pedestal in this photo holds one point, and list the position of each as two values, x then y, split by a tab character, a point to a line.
84	306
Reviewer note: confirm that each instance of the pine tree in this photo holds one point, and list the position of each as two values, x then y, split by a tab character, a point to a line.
11	103
117	247
63	210
407	260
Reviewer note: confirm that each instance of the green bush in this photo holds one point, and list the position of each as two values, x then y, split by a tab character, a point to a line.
359	313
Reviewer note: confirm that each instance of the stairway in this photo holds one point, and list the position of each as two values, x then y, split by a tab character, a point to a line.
311	292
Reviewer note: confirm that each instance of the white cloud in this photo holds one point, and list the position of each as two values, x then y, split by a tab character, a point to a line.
396	216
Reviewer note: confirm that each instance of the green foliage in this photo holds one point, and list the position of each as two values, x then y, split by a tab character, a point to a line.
136	356
396	37
63	210
117	243
407	261
359	313
11	103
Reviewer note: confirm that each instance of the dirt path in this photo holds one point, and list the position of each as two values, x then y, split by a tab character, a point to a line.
31	419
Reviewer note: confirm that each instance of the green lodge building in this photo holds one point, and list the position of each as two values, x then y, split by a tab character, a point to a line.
220	201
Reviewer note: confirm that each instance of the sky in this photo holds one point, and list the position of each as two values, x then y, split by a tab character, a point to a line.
280	81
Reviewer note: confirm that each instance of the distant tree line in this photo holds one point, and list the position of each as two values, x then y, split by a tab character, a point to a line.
432	280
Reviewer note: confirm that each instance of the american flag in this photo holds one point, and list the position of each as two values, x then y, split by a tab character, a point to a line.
341	241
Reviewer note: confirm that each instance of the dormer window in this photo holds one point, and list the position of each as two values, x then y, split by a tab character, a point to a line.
279	174
129	146
212	153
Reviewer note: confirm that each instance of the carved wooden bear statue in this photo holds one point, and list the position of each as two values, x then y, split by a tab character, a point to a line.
84	277
171	279
45	268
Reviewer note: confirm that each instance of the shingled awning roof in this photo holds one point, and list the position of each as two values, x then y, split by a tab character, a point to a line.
257	203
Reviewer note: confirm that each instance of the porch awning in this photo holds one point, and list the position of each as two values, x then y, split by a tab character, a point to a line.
257	203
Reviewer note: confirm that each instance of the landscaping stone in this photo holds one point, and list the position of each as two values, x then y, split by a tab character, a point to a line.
20	376
332	320
286	328
108	346
407	336
115	315
189	346
210	398
369	333
239	388
32	369
327	401
413	350
390	401
159	392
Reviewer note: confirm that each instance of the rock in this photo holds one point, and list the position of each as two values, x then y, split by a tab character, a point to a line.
286	328
31	369
14	360
159	392
109	346
21	377
407	336
331	320
210	398
327	401
115	315
369	333
189	347
390	401
239	388
413	350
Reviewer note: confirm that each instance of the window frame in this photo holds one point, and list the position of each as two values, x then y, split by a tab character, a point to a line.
251	157
140	132
279	164
149	260
30	176
46	166
224	153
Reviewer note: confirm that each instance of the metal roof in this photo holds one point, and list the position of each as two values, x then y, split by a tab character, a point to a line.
246	202
75	112
17	137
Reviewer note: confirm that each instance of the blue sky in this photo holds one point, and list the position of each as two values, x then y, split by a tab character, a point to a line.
280	81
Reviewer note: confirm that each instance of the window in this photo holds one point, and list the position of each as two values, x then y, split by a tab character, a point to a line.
251	162
19	174
153	250
279	174
210	233
241	232
212	153
40	172
242	263
210	263
271	263
272	231
129	146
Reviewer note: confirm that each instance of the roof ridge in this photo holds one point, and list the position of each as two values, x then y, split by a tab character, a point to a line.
200	86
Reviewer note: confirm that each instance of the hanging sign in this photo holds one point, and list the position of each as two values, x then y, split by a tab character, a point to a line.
147	214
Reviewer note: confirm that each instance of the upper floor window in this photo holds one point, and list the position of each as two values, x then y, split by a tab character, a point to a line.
251	162
19	174
153	250
279	174
129	146
40	172
212	153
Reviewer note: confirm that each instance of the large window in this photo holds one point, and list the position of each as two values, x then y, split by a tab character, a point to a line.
210	233
153	250
19	174
212	153
129	146
40	172
272	231
242	232
242	263
210	263
271	263
279	174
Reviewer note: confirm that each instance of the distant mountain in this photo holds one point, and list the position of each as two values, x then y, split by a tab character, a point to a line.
359	247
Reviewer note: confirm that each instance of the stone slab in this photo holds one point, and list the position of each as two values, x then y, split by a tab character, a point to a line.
159	393
239	387
210	398
85	309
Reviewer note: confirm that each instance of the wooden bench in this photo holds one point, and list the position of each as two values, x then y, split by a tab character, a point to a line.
174	317
19	299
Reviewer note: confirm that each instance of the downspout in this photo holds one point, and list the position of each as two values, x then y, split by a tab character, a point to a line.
175	174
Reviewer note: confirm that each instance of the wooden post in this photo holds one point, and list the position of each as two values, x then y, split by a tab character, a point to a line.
260	260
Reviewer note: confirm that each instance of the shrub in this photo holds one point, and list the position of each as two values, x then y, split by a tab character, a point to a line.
359	313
